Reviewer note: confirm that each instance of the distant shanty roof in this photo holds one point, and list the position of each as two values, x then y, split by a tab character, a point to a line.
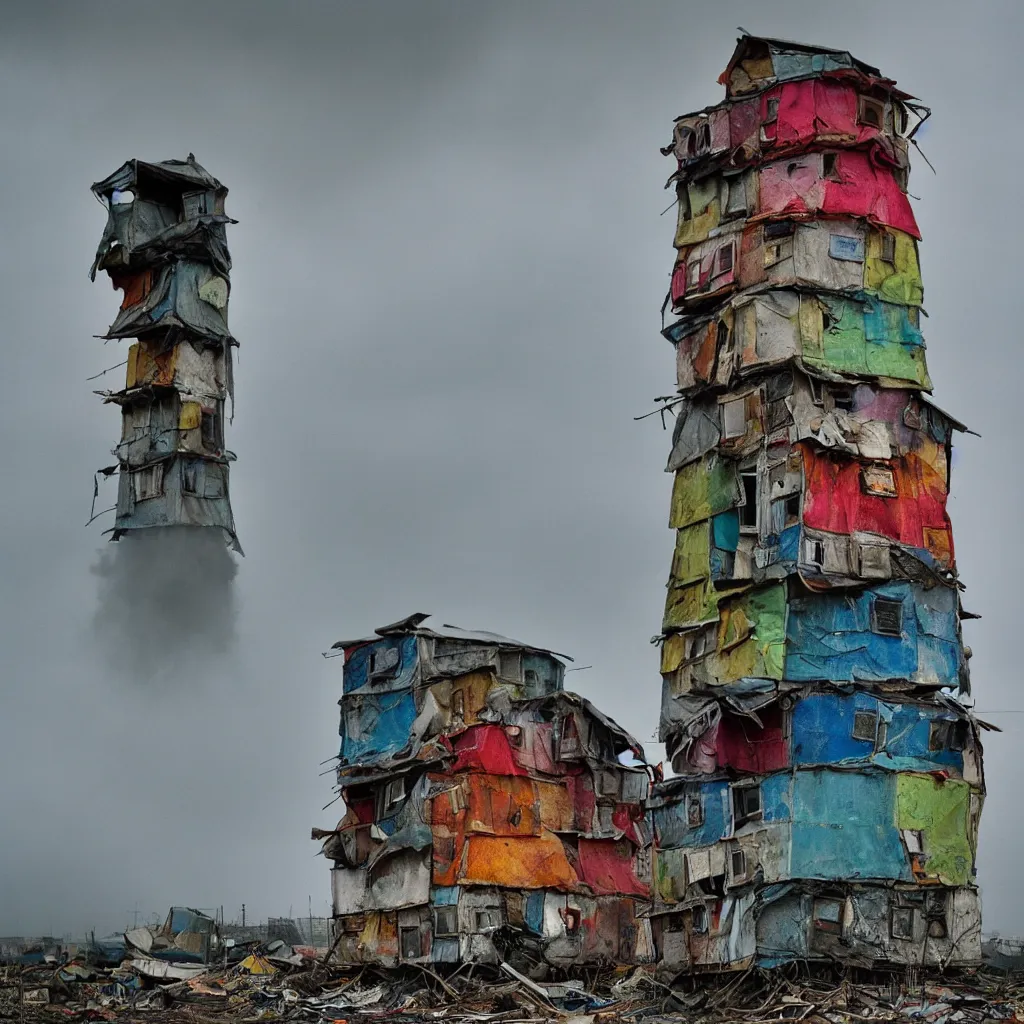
413	625
181	174
790	60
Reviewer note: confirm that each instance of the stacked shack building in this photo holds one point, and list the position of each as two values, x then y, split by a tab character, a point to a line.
489	814
828	781
164	247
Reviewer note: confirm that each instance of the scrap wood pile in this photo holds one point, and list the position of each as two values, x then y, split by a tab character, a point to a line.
294	986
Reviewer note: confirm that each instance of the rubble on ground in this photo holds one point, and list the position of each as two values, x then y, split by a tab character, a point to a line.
277	982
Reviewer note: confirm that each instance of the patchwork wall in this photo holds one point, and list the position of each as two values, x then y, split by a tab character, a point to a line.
488	814
829	780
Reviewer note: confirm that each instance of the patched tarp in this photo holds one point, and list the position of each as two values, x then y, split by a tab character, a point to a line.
939	809
184	294
912	510
847	183
608	867
914	635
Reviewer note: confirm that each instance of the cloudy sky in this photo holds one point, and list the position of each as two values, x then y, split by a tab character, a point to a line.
448	271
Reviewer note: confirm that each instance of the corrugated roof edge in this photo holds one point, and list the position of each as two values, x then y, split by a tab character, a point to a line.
413	625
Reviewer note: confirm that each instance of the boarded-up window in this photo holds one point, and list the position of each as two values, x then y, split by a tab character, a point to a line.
887	616
734	418
725	259
212	435
878	481
947	734
888	247
846	247
778	229
148	482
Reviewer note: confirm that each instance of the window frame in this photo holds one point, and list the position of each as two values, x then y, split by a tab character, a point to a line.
742	814
890	604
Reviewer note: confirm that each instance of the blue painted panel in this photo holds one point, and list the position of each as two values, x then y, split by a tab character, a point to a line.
726	530
375	726
670	822
822	726
445	951
777	797
444	895
885	322
844	826
357	665
534	914
829	636
782	928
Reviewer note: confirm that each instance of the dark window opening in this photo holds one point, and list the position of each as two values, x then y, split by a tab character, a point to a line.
779	229
792	509
410	937
384	663
842	398
694	811
828	167
772	110
725	259
944	734
446	922
739	864
210	430
748	510
722	335
888	248
746	804
699	919
871	112
828	916
887	617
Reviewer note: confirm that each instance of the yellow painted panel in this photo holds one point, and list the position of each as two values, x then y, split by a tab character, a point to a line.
191	416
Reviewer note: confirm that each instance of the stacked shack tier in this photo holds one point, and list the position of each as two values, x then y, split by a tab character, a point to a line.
489	814
829	779
164	248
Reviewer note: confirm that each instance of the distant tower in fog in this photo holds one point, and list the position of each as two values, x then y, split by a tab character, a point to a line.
164	247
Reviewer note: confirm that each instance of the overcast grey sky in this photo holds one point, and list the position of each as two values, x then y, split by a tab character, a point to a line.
448	271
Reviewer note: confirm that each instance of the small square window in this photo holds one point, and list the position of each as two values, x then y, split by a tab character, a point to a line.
888	254
878	481
887	616
842	398
901	922
721	335
945	734
828	916
829	168
746	804
772	110
725	259
572	918
693	274
865	726
210	430
446	922
870	112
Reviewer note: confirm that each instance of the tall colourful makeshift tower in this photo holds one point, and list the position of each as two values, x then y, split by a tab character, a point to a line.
165	248
828	780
